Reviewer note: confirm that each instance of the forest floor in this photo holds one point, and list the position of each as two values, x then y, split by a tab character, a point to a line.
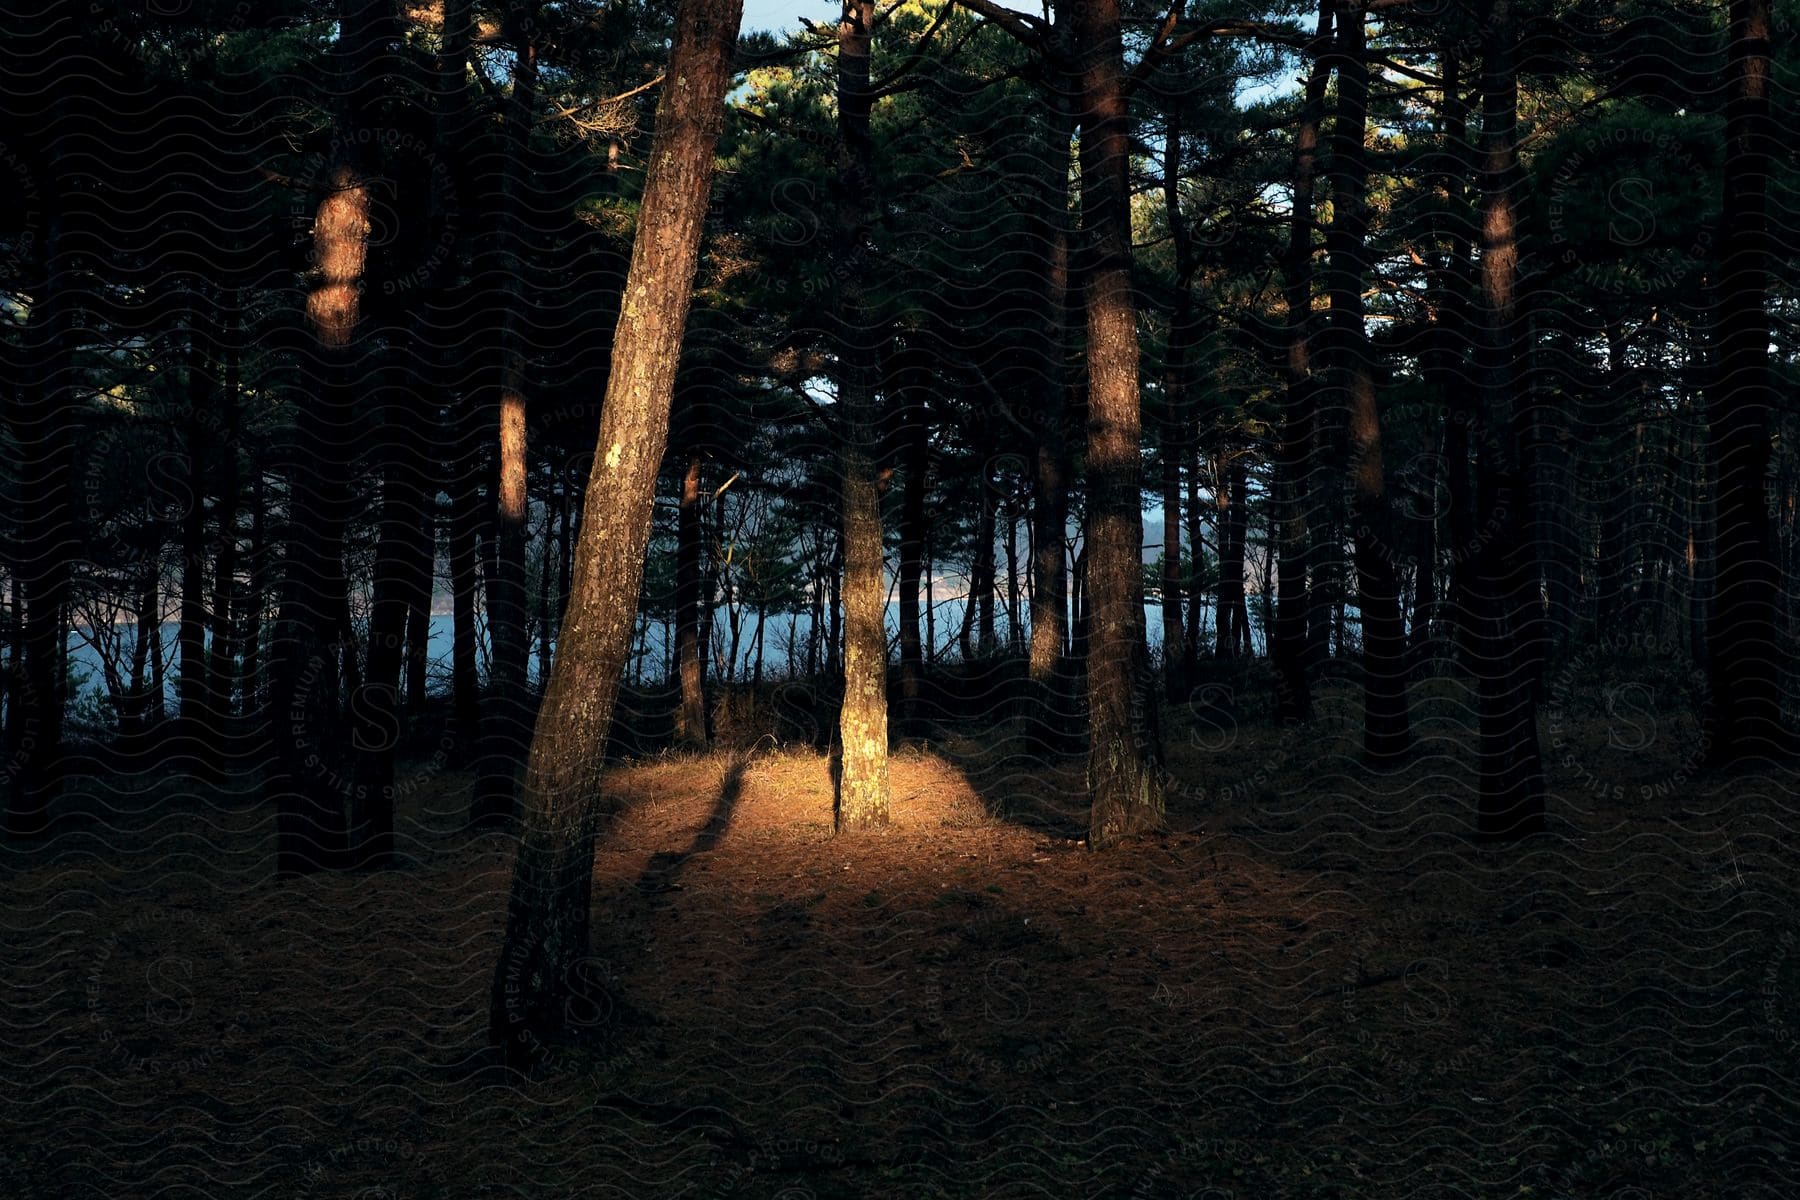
1313	985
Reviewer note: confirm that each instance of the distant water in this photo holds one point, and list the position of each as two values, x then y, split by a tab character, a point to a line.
650	655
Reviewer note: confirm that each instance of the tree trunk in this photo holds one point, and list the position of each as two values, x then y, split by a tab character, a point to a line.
1014	640
1232	525
402	585
930	607
44	405
507	718
984	571
1387	726
256	601
1745	646
690	716
418	621
548	911
1455	343
1052	469
191	690
862	774
222	661
546	588
1293	459
1197	583
464	554
1124	756
834	639
310	774
1503	579
1238	472
149	602
1175	418
912	557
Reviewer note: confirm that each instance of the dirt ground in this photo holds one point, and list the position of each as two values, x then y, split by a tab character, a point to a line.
1314	985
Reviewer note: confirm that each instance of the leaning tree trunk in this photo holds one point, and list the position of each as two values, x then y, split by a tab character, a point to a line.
1287	640
1503	578
1744	639
507	718
1387	726
548	911
1124	754
862	775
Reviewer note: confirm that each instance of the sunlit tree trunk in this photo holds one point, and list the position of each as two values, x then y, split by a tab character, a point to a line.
506	718
1124	755
862	775
548	911
1745	641
1503	578
312	782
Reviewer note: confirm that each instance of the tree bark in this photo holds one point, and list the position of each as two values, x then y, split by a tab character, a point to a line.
917	451
548	911
1228	503
862	774
690	716
1293	461
1744	720
402	586
507	716
44	406
192	693
221	667
311	781
1124	755
1387	726
1052	469
465	520
1176	420
1503	579
983	566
